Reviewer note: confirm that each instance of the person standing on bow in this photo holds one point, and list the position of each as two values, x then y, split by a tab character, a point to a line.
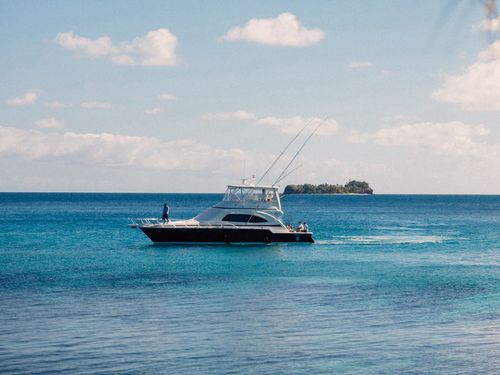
165	213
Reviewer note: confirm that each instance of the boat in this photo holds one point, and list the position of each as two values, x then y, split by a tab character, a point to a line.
246	214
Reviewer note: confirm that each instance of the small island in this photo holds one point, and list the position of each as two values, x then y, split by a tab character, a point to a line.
352	187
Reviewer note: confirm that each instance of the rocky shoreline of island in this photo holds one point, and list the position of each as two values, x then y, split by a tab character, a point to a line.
351	187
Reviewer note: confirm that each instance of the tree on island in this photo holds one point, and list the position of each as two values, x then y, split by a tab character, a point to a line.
352	187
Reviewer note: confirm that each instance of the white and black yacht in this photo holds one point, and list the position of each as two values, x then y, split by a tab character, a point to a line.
247	214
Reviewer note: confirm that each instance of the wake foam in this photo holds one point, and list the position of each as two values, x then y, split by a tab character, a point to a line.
382	240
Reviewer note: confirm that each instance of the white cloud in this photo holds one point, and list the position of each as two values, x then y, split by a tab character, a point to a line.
49	123
236	115
287	125
29	97
449	138
57	105
156	48
490	24
292	125
478	88
284	30
111	150
360	64
166	97
153	111
195	158
99	47
449	157
96	105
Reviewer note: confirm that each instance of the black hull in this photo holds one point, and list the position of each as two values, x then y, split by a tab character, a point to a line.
221	235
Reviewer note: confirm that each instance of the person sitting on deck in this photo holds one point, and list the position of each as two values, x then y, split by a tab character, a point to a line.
166	211
306	227
289	227
300	227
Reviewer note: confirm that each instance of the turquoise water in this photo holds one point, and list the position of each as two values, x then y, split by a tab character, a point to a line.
394	284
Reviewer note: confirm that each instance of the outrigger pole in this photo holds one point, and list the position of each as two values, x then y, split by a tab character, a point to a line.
289	173
283	152
280	177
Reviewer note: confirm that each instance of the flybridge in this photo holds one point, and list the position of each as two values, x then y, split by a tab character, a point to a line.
263	197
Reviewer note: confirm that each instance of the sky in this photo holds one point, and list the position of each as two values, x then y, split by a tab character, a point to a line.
188	96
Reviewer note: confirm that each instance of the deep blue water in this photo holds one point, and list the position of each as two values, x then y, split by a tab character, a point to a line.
394	284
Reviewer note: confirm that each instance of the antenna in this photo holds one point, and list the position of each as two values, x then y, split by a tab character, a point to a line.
299	150
284	150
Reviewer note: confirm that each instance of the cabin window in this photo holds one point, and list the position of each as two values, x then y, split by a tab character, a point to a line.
257	219
239	218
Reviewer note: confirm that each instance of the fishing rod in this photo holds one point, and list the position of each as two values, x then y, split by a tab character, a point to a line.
284	150
298	151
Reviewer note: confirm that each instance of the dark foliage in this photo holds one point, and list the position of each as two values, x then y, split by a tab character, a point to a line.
352	187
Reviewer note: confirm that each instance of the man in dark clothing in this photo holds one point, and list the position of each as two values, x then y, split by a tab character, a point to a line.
164	216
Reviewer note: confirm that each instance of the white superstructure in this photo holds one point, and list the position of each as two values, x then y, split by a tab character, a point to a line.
242	206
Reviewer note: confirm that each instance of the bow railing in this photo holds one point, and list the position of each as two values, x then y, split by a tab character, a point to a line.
174	223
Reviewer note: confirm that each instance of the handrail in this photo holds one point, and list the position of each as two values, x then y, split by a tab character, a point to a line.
135	222
265	214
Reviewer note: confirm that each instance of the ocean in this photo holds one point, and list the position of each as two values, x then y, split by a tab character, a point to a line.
395	284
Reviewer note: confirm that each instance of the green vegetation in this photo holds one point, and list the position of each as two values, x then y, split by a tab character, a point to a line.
352	187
